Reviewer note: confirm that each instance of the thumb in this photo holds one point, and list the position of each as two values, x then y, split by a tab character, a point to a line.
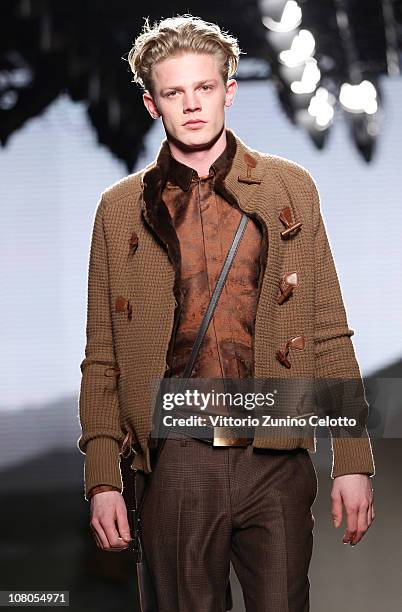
122	523
337	510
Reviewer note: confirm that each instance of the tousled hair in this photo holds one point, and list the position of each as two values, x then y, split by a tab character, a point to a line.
176	35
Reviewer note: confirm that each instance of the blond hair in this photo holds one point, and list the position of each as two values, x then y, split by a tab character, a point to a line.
176	35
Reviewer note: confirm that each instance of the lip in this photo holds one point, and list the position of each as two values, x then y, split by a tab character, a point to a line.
195	122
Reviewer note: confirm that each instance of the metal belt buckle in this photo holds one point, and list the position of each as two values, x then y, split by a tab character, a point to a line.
222	439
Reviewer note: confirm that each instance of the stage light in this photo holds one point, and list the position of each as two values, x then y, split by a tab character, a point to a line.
321	107
8	100
302	48
360	98
310	77
290	20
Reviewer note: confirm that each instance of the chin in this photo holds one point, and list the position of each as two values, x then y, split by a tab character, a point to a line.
200	138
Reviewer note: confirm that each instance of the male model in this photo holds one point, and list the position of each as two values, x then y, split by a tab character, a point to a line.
159	241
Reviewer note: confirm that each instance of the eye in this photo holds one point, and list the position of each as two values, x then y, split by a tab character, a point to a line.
170	94
206	87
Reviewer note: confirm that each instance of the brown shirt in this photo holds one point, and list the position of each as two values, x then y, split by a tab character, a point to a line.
205	224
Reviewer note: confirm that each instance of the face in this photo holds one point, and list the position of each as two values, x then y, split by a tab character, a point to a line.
190	96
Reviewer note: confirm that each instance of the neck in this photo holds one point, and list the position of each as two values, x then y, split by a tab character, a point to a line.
200	159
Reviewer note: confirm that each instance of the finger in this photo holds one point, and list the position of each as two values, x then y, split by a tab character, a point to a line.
114	540
122	523
105	544
370	512
99	533
336	509
369	520
362	524
351	524
94	534
97	540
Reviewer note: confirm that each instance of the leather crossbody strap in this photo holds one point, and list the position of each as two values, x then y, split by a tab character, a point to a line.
215	297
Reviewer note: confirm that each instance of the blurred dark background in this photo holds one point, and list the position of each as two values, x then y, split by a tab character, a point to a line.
319	83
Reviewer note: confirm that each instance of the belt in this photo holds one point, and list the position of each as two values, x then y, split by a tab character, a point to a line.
223	436
218	436
214	435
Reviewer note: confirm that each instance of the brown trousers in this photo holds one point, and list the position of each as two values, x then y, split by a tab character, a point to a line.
207	506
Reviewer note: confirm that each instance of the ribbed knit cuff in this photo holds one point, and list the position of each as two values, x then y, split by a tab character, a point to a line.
102	464
352	456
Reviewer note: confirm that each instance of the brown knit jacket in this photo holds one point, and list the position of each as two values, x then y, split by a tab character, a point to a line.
134	298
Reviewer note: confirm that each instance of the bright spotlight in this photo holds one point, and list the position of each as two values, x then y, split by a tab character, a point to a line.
310	77
361	98
290	20
321	107
301	49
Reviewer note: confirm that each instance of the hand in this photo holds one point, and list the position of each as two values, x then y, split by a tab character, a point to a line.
107	509
356	493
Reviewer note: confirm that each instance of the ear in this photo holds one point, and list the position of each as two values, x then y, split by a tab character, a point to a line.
150	105
231	89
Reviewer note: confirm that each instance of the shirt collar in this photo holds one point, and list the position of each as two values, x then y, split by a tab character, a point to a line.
182	175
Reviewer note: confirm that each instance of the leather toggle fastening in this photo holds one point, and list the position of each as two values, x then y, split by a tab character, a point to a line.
296	342
86	362
292	226
123	304
251	163
133	243
112	371
288	282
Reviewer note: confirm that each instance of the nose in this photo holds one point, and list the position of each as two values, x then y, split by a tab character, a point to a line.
191	102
